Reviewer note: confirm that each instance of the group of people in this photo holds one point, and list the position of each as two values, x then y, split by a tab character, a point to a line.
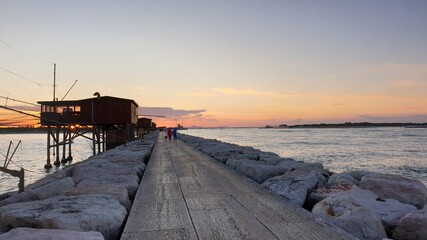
171	132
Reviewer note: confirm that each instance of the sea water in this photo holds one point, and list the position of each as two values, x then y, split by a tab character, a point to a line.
397	150
32	155
401	151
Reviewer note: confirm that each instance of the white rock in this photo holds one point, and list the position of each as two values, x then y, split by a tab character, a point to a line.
118	192
352	218
358	174
296	185
259	171
412	226
233	163
49	234
89	212
400	188
341	178
390	211
131	183
55	188
63	173
102	166
319	194
26	196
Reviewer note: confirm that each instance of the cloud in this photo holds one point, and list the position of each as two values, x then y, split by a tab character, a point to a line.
26	108
169	112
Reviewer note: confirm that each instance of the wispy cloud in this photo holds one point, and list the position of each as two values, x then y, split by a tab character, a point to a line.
25	108
168	112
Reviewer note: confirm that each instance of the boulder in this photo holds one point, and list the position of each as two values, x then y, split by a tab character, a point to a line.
55	188
26	196
233	163
259	171
225	156
89	212
358	174
63	173
118	192
389	211
49	234
101	167
413	226
341	178
273	160
290	164
319	194
297	184
123	155
400	188
137	165
248	156
352	218
131	183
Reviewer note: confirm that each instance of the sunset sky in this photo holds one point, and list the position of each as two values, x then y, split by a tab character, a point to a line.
223	62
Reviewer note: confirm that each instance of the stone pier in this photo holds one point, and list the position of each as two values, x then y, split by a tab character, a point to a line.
185	194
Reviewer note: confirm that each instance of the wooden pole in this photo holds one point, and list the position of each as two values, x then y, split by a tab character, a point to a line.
54	81
64	144
15	173
70	158
21	180
48	164
57	163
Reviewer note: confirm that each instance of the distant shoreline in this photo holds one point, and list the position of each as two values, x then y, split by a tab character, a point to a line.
23	130
358	125
29	130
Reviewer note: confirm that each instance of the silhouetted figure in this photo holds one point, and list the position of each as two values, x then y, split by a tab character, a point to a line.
169	133
175	134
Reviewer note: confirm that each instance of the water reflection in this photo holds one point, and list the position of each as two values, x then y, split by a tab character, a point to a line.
32	157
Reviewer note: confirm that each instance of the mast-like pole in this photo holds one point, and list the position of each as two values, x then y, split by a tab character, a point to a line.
54	80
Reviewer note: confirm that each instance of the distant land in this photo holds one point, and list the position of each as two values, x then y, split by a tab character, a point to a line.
22	130
356	125
28	130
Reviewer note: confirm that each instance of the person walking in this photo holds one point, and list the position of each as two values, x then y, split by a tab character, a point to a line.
169	133
175	134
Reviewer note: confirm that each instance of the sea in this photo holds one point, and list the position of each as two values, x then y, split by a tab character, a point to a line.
392	150
31	155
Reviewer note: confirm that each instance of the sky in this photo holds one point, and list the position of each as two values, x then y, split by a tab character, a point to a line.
234	63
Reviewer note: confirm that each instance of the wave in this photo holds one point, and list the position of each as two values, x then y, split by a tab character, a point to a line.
409	168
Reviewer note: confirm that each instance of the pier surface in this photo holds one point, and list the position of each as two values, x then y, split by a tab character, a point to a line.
185	194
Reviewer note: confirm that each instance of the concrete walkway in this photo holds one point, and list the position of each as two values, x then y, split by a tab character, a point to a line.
185	194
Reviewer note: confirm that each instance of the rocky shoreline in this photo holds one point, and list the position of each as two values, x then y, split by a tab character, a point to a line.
91	199
367	205
87	200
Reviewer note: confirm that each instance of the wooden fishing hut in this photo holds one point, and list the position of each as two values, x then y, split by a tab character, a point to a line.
109	120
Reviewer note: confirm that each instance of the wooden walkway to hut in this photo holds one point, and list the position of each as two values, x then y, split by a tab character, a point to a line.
185	194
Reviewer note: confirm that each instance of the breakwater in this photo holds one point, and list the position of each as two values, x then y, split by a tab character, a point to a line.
366	204
87	200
